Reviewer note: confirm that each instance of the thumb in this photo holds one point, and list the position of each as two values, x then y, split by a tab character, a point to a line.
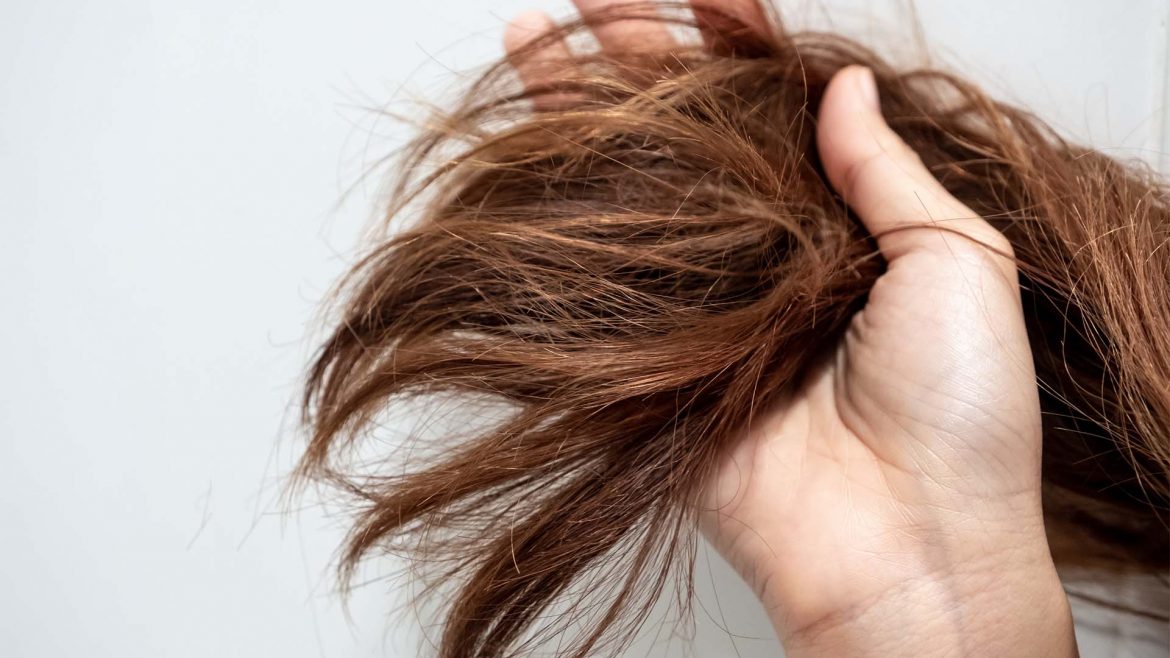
885	182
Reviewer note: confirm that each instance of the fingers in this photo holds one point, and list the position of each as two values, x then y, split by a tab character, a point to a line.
722	22
883	179
623	36
538	60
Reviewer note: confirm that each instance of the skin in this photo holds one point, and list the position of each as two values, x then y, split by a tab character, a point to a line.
891	507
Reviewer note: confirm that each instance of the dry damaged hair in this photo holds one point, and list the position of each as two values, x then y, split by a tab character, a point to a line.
636	270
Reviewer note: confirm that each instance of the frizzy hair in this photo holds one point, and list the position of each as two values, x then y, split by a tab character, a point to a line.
635	271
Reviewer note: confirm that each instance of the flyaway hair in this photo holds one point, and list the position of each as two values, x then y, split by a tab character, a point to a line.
637	269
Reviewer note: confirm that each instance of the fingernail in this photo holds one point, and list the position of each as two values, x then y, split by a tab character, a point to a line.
869	89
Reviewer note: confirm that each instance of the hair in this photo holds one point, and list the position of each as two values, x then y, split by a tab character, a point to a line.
633	274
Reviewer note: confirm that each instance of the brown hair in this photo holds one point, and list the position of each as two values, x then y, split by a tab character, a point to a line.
633	273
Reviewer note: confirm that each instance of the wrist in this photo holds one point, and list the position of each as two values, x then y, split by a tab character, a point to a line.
1005	609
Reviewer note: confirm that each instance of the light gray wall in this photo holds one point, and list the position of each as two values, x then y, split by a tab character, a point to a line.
171	183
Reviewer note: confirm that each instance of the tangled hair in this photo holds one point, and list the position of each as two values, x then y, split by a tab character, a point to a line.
634	273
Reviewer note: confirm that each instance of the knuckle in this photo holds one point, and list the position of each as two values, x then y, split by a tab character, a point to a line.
889	155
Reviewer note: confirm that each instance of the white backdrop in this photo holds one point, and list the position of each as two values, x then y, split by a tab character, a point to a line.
171	183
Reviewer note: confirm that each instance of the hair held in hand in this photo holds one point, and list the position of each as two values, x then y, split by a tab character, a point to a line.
632	272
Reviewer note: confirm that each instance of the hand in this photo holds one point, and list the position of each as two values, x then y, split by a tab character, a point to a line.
902	481
891	506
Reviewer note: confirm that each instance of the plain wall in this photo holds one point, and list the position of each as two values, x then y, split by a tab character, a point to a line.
180	183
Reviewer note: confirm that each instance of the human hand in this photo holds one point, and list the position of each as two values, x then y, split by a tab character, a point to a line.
891	506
